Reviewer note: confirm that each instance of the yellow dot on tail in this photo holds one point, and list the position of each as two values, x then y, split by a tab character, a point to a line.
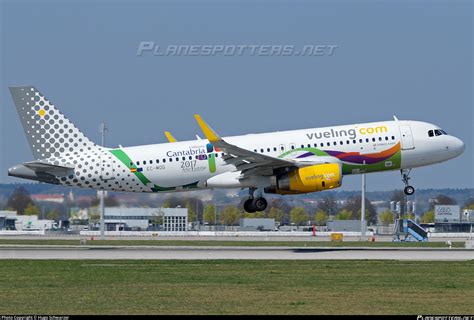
42	112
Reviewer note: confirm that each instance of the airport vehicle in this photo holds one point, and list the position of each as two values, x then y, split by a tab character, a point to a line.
286	162
410	230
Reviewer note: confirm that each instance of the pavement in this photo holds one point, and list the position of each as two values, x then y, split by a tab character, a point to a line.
233	253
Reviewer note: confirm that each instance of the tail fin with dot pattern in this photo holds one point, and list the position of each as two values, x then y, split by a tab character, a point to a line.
49	133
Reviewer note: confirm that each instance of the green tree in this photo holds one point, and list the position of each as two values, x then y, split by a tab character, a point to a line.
328	204
19	200
191	212
441	199
386	217
109	201
469	204
210	214
354	205
32	210
229	216
298	216
53	215
428	217
275	213
258	214
166	203
344	215
283	207
320	218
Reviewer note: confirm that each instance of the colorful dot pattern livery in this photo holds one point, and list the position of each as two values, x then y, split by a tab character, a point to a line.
56	140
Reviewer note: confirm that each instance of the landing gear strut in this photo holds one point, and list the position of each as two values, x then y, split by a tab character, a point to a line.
253	204
409	190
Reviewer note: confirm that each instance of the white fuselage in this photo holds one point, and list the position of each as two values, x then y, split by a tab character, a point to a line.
187	165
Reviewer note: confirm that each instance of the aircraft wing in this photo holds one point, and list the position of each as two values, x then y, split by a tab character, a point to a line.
253	163
45	167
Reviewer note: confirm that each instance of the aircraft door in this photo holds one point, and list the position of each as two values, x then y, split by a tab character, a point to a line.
406	137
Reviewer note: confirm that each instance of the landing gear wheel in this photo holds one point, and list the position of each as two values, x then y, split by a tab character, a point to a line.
248	206
409	190
259	204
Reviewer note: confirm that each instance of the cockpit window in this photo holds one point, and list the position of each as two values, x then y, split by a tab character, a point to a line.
436	132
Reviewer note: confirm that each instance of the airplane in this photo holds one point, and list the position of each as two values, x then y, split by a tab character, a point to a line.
286	162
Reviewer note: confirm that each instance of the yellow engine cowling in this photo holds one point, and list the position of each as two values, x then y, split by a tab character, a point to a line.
308	179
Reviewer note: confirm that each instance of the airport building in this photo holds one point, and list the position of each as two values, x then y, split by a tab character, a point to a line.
141	219
9	220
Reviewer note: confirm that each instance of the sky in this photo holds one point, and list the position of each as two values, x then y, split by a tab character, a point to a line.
412	59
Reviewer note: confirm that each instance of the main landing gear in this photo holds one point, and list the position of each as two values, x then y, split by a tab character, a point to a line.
254	204
409	190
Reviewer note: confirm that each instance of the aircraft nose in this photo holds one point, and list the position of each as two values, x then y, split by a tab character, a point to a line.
458	145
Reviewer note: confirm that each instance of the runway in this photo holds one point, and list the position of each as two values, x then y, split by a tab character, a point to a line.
231	253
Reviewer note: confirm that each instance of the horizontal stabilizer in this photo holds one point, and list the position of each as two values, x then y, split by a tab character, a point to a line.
44	167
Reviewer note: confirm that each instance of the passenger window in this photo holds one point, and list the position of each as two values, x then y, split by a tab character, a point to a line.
360	140
261	150
274	149
170	159
131	164
328	144
144	161
335	143
322	144
302	146
268	149
138	163
354	141
309	146
386	138
254	150
348	142
292	147
367	140
157	161
393	137
430	133
373	139
282	148
380	138
184	158
164	160
151	161
341	142
177	159
190	158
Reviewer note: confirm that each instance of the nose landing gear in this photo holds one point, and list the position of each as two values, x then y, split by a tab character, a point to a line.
253	204
409	190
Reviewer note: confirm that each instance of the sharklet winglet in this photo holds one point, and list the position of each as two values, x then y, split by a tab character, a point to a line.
170	137
210	134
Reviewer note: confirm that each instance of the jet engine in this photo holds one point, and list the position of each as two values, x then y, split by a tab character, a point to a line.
308	179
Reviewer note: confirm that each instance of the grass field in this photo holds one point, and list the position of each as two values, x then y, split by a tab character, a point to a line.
236	287
279	243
